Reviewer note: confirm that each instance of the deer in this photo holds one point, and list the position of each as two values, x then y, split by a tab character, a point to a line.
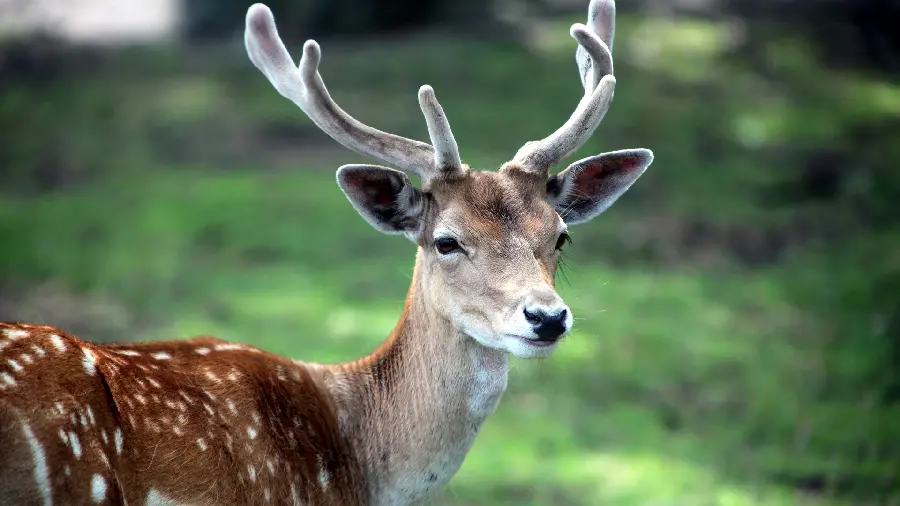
202	421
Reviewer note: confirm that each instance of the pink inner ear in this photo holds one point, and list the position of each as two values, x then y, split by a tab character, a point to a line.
593	175
378	191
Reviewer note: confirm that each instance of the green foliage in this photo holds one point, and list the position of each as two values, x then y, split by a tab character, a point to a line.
737	340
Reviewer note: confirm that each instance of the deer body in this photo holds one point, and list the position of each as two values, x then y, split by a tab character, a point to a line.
206	422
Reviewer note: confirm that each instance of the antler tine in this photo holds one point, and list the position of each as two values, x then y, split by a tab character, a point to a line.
595	64
304	87
446	151
594	53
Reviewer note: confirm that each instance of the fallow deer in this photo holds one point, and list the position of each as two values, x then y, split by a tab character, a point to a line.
206	422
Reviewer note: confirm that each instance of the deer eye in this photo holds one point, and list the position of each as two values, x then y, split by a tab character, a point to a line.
563	239
446	245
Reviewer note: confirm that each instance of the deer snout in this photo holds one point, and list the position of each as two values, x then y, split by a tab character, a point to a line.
548	326
549	319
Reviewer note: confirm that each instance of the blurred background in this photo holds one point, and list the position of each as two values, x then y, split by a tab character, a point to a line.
740	339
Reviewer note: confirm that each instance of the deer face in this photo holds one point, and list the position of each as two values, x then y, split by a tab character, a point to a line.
490	247
489	242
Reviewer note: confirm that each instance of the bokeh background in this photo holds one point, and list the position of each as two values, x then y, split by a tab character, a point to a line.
740	333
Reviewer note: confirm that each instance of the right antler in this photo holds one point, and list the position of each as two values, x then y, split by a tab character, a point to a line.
304	87
594	58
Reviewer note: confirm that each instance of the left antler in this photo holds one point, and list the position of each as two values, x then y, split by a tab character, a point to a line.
304	87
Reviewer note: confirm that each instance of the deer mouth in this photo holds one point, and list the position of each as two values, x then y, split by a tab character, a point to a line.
538	342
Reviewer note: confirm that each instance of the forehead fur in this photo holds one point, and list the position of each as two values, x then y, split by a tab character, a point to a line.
491	203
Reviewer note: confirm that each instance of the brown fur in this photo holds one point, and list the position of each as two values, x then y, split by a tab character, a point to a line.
185	422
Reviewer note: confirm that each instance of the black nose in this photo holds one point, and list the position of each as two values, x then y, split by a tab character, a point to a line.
548	326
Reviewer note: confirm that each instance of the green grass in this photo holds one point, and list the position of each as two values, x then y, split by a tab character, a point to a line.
191	199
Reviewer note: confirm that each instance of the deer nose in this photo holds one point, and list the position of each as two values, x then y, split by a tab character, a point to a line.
547	324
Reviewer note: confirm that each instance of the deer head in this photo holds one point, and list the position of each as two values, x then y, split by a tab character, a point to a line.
488	242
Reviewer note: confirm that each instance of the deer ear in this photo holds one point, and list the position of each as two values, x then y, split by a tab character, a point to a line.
589	186
384	197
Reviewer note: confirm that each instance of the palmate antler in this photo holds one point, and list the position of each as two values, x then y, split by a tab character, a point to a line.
595	65
304	87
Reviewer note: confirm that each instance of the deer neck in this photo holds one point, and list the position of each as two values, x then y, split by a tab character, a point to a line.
412	409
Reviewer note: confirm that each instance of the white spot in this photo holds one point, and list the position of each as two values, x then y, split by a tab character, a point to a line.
229	347
161	355
201	351
15	365
256	418
68	470
208	409
170	404
324	477
14	334
201	444
153	382
140	383
119	440
271	466
231	406
59	407
88	362
38	350
154	498
7	379
104	436
182	419
58	343
64	437
177	430
74	418
91	416
182	406
105	459
128	353
186	397
27	358
40	470
82	419
211	375
98	489
140	398
76	444
233	375
251	432
251	471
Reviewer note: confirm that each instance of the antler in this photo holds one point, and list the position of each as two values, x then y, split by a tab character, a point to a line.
304	87
594	58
